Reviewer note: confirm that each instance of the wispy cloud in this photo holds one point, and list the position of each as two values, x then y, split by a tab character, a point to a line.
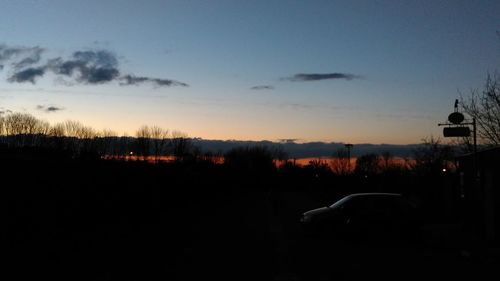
135	80
31	56
82	67
262	87
49	109
301	77
24	56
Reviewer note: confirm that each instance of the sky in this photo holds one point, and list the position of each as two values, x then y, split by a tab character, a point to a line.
342	71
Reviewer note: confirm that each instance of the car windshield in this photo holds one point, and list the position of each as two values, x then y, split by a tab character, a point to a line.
341	202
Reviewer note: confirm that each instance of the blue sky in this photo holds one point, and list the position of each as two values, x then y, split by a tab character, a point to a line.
399	65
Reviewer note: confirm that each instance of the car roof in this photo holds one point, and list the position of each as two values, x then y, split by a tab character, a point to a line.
374	194
365	195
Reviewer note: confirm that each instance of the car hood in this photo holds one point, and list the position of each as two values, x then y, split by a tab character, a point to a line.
317	211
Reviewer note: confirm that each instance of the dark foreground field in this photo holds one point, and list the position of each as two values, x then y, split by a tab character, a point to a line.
96	220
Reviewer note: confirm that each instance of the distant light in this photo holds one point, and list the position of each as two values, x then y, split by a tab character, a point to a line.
131	153
444	170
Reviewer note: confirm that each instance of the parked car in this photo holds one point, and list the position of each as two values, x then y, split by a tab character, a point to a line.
364	215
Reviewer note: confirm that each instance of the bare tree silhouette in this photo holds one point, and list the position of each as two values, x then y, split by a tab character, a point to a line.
340	162
143	142
484	106
25	129
432	156
387	161
181	145
160	140
80	138
368	165
105	142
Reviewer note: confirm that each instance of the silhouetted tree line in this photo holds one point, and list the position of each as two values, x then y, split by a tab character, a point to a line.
78	140
153	143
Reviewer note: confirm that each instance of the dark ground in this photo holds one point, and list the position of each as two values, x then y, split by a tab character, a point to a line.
95	220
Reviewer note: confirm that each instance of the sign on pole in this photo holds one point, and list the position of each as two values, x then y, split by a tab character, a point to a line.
456	131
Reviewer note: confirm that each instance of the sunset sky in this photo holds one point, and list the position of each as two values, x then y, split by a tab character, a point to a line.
345	71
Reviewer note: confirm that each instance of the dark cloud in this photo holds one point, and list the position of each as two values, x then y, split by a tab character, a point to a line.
7	53
33	56
27	75
88	67
135	80
25	56
101	58
320	76
262	87
48	108
84	67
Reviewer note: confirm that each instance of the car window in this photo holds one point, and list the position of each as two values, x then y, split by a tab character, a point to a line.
341	203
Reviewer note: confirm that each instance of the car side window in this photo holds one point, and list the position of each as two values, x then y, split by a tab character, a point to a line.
360	206
348	207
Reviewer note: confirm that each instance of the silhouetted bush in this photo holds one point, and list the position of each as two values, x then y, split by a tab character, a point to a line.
250	160
368	165
432	157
